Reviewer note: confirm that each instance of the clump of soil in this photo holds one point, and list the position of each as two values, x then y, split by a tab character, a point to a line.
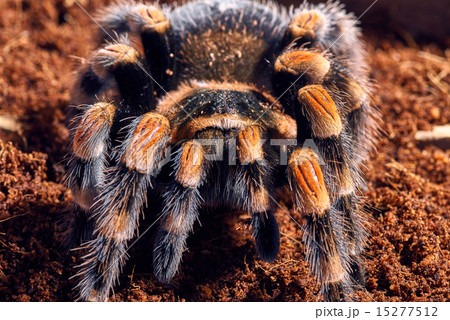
408	255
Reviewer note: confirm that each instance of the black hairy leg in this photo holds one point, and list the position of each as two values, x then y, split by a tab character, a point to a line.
182	200
251	186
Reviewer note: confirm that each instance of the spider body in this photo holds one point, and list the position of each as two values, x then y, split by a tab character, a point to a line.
181	103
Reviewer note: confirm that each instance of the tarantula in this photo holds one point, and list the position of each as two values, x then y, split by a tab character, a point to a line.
220	102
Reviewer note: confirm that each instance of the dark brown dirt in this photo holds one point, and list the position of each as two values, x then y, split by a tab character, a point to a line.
408	255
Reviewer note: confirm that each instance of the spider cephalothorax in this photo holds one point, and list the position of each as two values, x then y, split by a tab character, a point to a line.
212	102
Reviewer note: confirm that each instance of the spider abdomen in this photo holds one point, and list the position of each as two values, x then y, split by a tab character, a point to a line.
227	40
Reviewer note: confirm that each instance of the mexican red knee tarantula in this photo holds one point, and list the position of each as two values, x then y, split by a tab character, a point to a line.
172	88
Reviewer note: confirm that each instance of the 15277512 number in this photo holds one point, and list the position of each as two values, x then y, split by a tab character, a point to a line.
407	311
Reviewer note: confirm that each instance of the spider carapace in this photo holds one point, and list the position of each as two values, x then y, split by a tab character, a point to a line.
220	102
